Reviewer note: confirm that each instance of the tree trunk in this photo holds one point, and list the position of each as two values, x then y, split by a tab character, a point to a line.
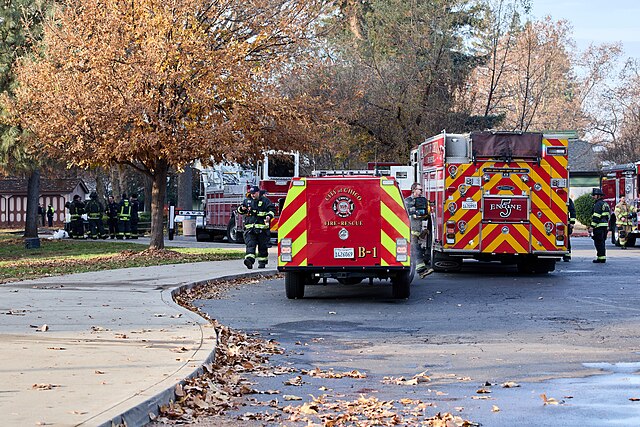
101	185
158	193
33	194
185	189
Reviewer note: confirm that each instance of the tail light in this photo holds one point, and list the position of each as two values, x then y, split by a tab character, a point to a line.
560	229
286	252
451	231
402	250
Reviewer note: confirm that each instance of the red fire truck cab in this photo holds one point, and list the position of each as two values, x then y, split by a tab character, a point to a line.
622	180
225	186
345	227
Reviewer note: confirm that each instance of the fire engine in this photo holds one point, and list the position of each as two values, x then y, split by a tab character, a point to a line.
346	227
496	196
621	180
225	186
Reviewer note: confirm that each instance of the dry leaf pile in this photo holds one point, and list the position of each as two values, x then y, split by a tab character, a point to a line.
224	385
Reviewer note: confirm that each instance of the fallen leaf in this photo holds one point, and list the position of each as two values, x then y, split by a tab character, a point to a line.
98	372
179	390
44	386
549	400
43	328
510	384
56	348
494	408
634	399
291	397
295	381
483	391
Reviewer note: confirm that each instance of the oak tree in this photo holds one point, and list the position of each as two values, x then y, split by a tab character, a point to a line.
155	84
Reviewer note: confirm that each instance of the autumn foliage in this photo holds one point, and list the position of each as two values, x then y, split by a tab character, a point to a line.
158	83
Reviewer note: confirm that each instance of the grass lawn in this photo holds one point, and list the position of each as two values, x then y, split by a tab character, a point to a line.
56	257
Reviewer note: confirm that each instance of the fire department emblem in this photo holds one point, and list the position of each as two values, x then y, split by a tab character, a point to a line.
343	206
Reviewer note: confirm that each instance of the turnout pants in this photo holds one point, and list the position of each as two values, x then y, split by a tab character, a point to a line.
623	233
124	228
96	229
77	228
259	238
599	239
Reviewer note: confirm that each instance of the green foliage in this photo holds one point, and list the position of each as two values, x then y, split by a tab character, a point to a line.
584	209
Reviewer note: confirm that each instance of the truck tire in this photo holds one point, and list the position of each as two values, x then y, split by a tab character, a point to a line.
233	234
401	286
631	241
442	262
203	235
294	285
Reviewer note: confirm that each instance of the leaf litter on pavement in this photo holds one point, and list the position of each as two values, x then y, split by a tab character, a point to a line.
224	385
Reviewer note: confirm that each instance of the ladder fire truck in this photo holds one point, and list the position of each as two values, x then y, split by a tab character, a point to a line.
621	180
496	196
225	186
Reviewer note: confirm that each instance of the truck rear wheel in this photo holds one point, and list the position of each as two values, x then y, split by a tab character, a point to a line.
233	234
401	285
294	285
442	262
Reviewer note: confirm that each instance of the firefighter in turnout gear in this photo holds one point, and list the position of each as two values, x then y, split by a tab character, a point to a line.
95	210
625	216
112	217
571	210
76	210
258	212
124	218
418	210
599	225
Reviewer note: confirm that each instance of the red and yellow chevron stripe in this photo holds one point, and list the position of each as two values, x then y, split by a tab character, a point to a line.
293	224
394	224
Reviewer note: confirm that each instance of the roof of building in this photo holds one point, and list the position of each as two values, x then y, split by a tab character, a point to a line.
47	186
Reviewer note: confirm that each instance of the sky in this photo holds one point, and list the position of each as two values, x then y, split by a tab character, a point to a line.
597	21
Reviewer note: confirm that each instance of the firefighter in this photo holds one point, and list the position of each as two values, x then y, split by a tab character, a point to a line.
76	223
50	213
572	223
258	211
625	214
135	208
95	210
418	210
124	218
599	225
112	217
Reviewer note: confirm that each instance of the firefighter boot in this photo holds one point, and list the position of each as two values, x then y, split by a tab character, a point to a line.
426	272
261	265
248	262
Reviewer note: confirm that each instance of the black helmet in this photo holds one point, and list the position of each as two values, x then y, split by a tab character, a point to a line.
93	195
254	189
597	192
124	196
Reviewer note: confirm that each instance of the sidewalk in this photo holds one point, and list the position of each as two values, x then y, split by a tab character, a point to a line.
115	339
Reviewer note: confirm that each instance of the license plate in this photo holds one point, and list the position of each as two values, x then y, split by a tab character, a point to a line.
469	205
343	253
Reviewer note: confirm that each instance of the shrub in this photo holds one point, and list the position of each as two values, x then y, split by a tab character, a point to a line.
584	209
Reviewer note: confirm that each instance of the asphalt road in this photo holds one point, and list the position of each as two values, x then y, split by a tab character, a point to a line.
573	335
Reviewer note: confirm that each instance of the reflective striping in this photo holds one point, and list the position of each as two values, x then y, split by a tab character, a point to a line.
393	192
291	222
388	243
294	192
299	244
388	215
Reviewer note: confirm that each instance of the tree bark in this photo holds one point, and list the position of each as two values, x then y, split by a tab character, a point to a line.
158	193
33	194
185	189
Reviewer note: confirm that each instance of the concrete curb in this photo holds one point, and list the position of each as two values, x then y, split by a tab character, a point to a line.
140	414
